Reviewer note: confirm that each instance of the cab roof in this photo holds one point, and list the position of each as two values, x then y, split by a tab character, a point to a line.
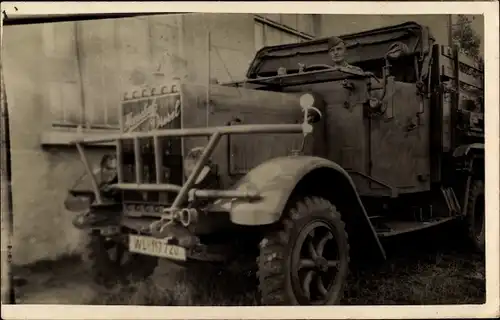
362	46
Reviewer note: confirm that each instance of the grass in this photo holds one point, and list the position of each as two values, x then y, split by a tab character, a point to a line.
421	269
449	279
181	293
430	267
420	283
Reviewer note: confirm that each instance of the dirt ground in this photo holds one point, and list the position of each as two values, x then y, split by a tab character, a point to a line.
430	267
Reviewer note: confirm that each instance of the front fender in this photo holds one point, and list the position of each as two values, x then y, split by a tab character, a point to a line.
277	179
464	150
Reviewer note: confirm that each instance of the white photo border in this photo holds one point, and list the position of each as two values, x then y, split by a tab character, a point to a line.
490	10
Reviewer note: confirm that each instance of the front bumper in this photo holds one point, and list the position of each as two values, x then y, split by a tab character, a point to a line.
174	234
174	241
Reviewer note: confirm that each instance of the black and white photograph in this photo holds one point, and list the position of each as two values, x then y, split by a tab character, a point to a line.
177	157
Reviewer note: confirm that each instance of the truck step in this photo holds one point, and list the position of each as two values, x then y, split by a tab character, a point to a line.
394	228
451	200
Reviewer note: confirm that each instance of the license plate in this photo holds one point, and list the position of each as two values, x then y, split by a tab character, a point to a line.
156	247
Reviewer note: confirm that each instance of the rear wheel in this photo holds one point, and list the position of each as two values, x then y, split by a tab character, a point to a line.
307	261
475	215
109	262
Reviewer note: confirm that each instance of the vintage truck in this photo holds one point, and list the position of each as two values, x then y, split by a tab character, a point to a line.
216	173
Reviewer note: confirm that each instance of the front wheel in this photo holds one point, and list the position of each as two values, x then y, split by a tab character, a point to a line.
307	261
109	262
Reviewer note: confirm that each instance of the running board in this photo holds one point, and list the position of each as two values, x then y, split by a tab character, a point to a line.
399	227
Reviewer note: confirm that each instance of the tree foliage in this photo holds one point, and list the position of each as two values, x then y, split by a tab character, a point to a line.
465	37
469	43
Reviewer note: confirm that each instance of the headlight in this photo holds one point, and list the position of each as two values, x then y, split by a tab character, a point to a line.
190	161
306	100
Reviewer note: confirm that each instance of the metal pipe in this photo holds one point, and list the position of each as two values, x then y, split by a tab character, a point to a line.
212	143
158	159
93	180
208	78
195	192
188	216
197	132
282	27
146	187
345	70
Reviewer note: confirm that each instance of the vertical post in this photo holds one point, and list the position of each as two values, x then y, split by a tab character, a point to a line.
158	154
138	161
119	147
158	159
8	290
119	142
119	162
455	94
208	76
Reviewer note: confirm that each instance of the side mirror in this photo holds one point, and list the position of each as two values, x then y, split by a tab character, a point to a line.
312	115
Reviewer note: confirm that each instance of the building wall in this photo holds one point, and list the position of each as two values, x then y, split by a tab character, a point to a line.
40	176
343	24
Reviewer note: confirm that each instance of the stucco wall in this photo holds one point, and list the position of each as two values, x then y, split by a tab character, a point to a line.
231	43
42	228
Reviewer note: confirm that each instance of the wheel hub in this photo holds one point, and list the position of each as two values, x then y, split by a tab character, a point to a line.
315	263
321	264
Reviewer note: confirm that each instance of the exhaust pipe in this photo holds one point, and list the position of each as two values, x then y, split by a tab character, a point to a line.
188	216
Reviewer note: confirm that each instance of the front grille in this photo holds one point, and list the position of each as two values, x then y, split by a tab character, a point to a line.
147	114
